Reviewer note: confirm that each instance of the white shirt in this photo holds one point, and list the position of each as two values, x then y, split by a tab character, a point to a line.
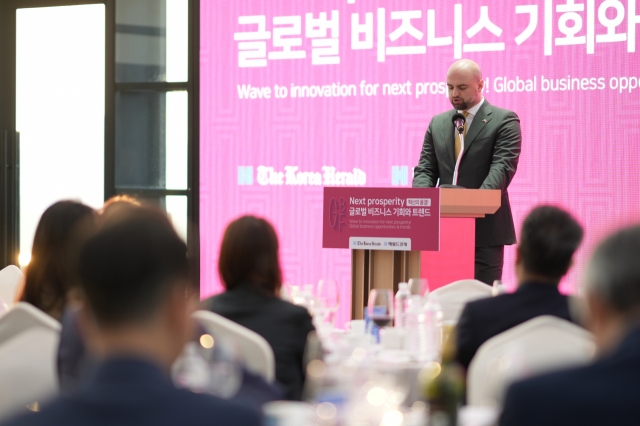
472	113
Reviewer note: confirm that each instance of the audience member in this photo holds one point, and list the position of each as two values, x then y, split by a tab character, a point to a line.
50	281
605	392
137	318
115	206
250	270
548	240
72	361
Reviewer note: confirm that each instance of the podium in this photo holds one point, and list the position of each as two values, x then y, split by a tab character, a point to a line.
450	260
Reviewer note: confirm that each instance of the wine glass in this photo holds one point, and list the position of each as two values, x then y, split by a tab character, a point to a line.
418	286
380	308
497	288
328	298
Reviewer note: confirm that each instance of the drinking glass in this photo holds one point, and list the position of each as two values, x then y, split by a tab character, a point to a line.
380	308
418	286
328	298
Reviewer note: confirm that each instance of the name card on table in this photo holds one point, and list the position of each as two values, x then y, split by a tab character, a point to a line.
381	218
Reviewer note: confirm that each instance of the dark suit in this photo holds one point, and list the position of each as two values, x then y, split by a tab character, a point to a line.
490	159
603	393
135	392
284	325
76	364
485	318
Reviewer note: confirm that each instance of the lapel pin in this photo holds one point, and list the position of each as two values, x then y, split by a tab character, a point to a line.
484	121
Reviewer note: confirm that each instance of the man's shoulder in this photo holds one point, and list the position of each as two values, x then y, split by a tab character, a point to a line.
489	313
443	117
559	380
556	392
198	406
183	407
489	304
593	394
498	111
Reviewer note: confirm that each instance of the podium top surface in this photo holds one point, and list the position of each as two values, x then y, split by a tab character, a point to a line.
458	202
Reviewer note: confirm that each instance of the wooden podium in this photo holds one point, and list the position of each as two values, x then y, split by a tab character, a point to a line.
459	209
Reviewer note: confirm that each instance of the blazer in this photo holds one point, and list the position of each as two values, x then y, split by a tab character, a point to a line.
284	325
134	392
490	159
482	319
603	393
75	365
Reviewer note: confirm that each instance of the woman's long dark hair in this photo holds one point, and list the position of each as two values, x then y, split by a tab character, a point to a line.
249	253
51	273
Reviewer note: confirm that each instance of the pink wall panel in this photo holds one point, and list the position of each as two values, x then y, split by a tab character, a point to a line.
580	145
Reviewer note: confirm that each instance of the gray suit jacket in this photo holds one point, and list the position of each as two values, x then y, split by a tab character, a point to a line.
490	160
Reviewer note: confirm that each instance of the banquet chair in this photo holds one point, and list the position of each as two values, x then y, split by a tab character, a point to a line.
10	278
256	352
540	345
23	316
454	296
27	369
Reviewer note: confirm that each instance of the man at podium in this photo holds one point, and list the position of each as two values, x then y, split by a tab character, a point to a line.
479	150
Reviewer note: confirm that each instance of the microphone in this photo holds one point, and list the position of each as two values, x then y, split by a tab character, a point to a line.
458	121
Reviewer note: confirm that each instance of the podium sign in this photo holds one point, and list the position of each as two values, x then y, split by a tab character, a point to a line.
400	219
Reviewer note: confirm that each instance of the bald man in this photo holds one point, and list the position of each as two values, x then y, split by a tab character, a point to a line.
489	160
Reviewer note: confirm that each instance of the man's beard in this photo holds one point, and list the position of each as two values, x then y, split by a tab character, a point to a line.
461	106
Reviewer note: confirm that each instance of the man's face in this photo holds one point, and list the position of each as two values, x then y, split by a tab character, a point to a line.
464	89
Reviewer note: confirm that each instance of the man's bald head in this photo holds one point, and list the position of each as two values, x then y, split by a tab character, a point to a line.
465	83
466	67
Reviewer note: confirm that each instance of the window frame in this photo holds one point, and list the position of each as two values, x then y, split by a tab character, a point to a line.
9	235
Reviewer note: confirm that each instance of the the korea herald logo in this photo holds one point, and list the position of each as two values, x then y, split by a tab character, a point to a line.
337	212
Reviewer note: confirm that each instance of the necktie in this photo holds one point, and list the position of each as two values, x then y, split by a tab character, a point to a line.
457	146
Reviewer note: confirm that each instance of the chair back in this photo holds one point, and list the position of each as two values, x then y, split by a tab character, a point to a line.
452	297
256	351
28	369
10	279
540	345
23	316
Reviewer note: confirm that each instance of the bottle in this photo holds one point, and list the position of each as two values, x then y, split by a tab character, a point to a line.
443	386
433	318
416	337
402	303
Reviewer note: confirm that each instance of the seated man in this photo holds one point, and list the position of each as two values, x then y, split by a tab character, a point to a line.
137	319
548	239
605	392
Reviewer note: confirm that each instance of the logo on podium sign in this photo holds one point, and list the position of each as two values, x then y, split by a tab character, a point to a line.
337	213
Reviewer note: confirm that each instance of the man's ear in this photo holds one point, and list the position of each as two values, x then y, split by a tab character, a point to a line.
177	316
180	306
596	313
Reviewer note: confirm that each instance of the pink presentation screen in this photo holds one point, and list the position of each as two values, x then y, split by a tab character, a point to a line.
296	95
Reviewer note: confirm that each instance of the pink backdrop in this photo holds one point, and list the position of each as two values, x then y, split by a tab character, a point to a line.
580	146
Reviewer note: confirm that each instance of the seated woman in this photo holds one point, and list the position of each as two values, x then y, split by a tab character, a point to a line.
50	282
250	270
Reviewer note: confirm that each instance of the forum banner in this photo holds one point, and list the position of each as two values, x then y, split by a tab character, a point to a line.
296	96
